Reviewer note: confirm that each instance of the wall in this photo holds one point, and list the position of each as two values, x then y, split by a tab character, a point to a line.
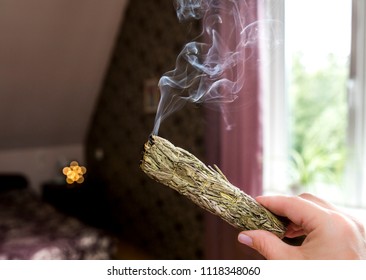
160	221
54	55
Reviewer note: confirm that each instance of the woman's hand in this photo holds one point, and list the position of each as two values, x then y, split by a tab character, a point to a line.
330	234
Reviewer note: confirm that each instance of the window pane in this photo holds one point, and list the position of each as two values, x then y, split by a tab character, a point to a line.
317	51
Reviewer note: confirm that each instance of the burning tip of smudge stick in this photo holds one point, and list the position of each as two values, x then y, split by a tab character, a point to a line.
206	186
151	139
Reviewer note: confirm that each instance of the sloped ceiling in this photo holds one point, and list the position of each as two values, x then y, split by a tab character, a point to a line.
53	56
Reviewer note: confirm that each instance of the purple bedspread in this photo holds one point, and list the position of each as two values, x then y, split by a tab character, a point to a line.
32	229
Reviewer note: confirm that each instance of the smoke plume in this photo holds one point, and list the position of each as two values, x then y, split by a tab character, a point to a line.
211	71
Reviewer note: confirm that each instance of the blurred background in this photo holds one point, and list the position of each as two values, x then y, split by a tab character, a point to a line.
78	82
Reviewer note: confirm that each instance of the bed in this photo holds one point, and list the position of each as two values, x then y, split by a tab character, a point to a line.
33	229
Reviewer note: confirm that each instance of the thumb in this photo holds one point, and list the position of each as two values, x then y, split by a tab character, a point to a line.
268	245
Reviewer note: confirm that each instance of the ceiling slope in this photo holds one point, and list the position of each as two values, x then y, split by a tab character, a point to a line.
53	56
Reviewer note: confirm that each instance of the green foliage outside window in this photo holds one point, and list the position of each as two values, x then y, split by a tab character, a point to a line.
319	121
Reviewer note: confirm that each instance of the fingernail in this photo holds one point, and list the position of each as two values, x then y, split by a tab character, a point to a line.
245	239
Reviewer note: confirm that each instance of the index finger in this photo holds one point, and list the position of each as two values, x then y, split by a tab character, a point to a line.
300	211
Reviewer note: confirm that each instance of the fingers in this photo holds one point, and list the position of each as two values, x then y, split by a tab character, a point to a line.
318	201
330	206
326	205
295	208
294	231
268	245
330	234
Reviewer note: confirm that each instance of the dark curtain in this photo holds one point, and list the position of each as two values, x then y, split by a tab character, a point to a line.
234	136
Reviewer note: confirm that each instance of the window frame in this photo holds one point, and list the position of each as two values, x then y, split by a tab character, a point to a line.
356	165
275	111
274	102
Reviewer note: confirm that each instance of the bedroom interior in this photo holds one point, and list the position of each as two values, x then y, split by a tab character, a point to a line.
78	83
74	79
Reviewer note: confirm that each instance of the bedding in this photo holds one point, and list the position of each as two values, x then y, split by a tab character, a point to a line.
33	229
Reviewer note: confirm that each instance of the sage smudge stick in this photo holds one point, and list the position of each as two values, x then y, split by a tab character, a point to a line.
206	186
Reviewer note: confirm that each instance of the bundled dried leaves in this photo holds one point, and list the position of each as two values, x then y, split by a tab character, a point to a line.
206	186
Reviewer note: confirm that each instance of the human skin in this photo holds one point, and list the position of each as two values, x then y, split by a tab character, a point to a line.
330	233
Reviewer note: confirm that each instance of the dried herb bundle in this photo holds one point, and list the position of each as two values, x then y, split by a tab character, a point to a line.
206	186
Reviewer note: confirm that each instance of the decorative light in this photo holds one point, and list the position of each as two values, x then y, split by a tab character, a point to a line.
74	173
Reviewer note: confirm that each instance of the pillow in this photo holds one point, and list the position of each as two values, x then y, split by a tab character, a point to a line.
12	181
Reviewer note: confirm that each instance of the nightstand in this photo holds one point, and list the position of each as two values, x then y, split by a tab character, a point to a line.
69	199
85	201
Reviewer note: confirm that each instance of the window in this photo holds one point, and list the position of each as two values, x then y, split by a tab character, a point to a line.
314	106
